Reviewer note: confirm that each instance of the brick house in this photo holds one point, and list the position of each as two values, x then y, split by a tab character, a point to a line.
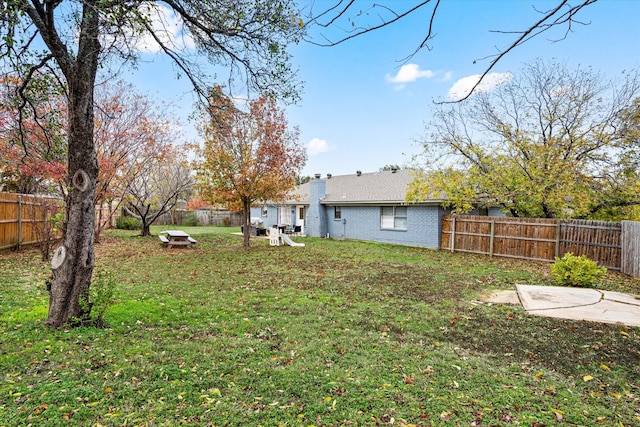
363	206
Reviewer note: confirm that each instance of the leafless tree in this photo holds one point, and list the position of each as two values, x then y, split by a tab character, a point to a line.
156	190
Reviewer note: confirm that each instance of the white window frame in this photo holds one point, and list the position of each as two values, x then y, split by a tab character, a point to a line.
337	213
265	211
393	217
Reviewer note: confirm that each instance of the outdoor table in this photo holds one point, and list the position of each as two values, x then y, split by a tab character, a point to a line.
176	238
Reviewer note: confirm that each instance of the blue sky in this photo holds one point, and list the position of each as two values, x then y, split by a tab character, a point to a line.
363	107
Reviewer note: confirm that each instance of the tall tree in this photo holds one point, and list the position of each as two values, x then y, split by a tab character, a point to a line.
130	131
544	144
71	38
247	156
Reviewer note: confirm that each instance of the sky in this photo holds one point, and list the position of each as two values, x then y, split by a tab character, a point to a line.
365	106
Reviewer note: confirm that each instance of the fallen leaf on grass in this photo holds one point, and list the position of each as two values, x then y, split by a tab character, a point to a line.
587	378
445	415
557	413
408	379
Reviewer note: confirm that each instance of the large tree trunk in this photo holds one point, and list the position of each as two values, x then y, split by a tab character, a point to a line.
145	228
73	264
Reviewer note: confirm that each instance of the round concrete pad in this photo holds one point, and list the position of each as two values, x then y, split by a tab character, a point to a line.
535	297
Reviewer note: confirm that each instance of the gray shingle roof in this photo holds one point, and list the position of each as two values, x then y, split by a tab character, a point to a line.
367	188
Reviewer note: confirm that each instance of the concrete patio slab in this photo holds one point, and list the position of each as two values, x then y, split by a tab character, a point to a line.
580	304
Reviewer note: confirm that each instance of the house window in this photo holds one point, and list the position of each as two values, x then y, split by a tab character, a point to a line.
265	211
337	212
393	217
301	213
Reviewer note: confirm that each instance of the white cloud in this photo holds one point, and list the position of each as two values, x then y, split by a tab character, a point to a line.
463	86
317	146
168	27
447	76
409	73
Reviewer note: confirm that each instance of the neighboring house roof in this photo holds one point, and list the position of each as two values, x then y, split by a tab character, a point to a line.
384	187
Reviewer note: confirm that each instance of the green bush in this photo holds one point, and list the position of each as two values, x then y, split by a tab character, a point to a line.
101	294
127	223
191	220
571	270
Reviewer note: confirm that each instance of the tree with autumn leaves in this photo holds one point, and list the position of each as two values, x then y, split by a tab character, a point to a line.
247	156
552	142
32	140
131	134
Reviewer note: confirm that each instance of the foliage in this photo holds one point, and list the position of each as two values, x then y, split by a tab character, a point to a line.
544	144
101	294
32	142
390	168
127	223
349	333
247	156
195	203
572	270
191	220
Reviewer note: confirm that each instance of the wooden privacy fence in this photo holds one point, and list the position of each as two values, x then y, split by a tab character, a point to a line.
611	244
22	218
204	216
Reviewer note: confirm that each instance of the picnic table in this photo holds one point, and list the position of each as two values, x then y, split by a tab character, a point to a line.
176	238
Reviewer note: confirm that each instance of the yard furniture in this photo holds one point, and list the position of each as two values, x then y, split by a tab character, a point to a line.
176	238
276	238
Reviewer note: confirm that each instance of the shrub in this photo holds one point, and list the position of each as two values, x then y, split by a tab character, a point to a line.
98	300
571	270
127	223
191	220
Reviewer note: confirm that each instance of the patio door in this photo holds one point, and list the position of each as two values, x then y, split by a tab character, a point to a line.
300	212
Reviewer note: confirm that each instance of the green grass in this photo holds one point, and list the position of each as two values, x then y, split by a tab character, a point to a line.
335	333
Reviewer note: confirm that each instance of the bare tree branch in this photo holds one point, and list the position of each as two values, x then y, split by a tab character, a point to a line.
536	29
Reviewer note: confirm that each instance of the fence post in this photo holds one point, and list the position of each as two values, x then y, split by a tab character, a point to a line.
453	233
630	247
19	221
558	225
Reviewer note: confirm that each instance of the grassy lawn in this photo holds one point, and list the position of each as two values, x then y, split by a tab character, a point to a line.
334	333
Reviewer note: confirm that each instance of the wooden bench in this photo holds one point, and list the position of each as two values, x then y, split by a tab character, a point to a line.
163	239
